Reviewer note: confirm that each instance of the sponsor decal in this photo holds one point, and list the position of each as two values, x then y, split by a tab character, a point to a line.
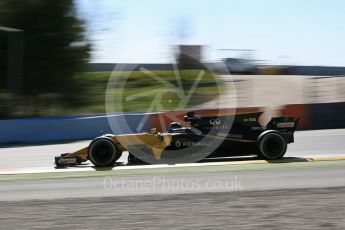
71	160
285	125
179	144
222	134
225	127
215	122
256	128
250	119
234	135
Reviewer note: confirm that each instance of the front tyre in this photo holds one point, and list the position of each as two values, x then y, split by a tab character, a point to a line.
103	152
272	146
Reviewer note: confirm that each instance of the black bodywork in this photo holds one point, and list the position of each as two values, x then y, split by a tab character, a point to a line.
241	138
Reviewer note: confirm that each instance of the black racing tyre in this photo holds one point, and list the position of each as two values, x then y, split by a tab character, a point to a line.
103	152
272	146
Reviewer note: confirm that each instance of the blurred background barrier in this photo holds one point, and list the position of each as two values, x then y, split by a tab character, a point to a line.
315	70
263	69
317	115
54	129
324	89
70	128
327	115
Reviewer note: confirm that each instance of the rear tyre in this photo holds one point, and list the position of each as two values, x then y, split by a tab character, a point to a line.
103	152
272	146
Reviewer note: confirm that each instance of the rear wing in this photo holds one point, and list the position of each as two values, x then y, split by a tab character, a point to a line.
283	124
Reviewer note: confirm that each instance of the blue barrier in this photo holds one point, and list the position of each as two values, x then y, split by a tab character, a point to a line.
68	128
327	115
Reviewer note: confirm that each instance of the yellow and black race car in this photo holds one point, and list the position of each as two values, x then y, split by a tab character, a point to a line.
204	137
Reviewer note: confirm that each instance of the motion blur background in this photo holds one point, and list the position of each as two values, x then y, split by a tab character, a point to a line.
281	57
58	57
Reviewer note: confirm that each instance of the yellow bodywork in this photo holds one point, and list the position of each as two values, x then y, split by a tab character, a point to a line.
155	141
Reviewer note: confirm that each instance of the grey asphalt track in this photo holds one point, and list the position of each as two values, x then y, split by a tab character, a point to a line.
266	178
308	195
307	143
300	198
278	209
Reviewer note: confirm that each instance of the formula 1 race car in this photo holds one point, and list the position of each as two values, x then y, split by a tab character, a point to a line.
204	137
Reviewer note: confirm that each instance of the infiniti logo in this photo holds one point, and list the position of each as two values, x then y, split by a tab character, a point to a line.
215	122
